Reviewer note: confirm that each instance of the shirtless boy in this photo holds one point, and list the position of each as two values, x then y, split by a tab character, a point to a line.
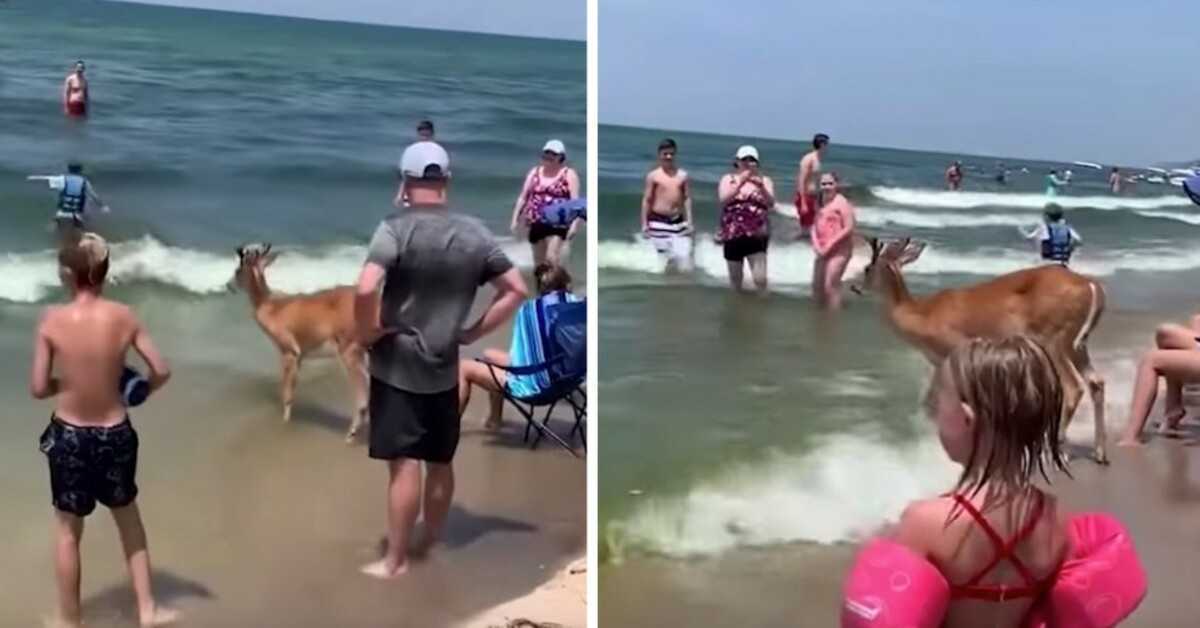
75	92
807	184
90	444
667	209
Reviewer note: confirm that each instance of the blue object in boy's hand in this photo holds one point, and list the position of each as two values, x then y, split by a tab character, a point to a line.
133	388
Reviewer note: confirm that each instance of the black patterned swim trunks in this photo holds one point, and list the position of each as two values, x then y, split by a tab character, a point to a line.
90	464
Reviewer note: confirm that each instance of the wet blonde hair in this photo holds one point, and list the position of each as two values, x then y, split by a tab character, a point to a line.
1014	390
83	261
551	278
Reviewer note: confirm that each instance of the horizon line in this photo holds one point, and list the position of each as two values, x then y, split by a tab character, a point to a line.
150	3
806	140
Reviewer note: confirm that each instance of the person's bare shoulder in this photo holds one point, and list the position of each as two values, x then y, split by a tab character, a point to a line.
121	315
921	522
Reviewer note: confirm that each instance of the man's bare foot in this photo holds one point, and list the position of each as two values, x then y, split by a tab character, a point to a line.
382	570
160	616
493	423
1125	442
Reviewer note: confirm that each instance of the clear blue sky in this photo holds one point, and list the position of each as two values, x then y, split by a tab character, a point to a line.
556	19
1061	79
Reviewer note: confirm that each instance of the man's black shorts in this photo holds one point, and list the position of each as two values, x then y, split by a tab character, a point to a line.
413	425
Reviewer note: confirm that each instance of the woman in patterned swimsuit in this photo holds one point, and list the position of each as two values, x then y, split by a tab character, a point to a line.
549	182
746	197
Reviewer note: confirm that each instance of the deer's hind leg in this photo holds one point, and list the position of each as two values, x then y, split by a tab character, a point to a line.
1095	385
354	361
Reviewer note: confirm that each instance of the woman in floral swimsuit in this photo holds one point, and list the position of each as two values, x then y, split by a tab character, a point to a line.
549	182
746	197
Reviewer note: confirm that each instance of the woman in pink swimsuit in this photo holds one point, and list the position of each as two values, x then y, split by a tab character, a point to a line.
832	242
746	197
549	182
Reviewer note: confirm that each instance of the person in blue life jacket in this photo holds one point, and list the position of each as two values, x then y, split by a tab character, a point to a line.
1057	238
74	191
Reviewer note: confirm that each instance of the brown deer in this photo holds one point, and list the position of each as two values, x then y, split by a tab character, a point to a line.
299	324
1057	307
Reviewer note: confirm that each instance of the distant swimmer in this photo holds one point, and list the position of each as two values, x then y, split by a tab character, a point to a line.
954	176
807	192
74	190
75	92
1053	182
1001	173
746	198
1058	239
667	209
833	243
425	131
1114	180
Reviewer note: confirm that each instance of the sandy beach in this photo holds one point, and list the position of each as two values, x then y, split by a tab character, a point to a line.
254	522
561	602
1154	490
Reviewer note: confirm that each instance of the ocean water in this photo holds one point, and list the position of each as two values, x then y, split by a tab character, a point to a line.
735	421
209	130
212	129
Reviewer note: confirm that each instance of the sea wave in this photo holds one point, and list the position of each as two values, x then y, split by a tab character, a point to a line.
790	264
924	219
787	498
33	277
944	199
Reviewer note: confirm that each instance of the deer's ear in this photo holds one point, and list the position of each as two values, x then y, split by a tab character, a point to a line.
241	252
911	252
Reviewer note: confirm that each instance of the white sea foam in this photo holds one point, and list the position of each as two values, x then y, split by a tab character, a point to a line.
30	277
944	199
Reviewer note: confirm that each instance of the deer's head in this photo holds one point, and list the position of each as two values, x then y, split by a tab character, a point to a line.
894	254
253	259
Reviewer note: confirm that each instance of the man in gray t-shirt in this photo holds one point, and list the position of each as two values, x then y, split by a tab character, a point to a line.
430	264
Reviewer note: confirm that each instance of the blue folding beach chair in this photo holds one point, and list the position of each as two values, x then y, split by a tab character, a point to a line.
548	364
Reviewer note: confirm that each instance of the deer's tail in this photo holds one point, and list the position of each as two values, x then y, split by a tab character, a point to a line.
1095	309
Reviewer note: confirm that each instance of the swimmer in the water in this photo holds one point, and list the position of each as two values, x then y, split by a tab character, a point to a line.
746	196
75	92
954	176
1053	182
667	209
74	190
425	131
833	243
1057	238
807	192
1114	180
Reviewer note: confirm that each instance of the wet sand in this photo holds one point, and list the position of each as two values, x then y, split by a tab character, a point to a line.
1154	490
252	522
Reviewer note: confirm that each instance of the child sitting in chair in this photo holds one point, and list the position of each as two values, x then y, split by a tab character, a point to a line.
552	281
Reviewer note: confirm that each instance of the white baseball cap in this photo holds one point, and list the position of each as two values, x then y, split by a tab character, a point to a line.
556	147
420	156
746	152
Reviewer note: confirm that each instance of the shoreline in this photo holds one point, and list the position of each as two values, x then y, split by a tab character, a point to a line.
1154	490
250	518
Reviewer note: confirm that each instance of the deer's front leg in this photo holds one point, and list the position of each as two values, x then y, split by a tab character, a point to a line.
287	386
